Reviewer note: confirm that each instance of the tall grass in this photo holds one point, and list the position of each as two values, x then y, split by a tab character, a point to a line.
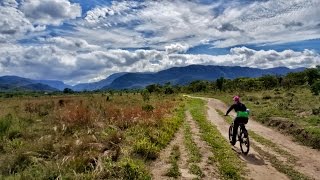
83	136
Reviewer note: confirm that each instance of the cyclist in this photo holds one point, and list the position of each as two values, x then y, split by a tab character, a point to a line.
242	116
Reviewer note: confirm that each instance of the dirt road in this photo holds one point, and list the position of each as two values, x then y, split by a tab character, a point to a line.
308	160
258	164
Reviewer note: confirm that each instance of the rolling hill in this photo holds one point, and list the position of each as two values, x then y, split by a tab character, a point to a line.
185	75
175	75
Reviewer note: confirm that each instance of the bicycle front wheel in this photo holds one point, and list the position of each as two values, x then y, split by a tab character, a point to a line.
244	142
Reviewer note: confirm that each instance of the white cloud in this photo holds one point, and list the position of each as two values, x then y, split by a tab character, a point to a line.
50	12
93	47
70	43
10	3
73	65
13	23
169	22
176	48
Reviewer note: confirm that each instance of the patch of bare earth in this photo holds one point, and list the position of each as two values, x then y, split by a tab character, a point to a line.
209	170
307	159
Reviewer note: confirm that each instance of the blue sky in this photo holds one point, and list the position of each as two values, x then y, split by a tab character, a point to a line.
84	41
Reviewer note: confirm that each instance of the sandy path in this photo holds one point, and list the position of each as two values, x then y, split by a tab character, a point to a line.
209	170
258	167
308	160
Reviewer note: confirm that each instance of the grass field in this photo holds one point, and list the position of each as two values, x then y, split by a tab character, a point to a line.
87	136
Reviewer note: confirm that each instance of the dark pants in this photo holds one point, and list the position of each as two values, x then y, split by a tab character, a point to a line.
236	123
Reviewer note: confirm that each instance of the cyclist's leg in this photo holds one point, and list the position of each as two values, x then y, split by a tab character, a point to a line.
235	131
243	121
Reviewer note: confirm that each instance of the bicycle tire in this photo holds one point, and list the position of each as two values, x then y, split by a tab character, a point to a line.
244	142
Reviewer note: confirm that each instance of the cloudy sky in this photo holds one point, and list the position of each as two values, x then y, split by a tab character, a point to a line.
87	40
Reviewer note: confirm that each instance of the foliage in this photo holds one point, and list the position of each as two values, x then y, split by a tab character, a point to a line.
219	83
315	88
67	91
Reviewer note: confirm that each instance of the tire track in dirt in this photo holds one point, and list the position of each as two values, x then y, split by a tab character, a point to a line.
160	167
209	170
258	167
308	160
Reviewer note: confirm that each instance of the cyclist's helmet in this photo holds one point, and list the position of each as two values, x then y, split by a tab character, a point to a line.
236	99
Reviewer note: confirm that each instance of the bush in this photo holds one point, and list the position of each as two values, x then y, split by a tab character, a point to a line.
5	124
145	95
148	108
315	88
134	169
146	148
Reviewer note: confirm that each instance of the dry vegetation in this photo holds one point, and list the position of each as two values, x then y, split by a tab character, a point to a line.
85	136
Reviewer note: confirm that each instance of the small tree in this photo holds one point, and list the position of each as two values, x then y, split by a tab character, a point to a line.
315	88
219	83
313	74
67	91
145	95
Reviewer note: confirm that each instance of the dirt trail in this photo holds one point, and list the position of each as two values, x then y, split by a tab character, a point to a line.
161	165
258	167
209	170
308	160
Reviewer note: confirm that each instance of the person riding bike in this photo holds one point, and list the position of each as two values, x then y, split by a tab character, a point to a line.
242	116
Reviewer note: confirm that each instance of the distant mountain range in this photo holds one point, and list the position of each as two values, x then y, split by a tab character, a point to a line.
175	75
185	75
9	83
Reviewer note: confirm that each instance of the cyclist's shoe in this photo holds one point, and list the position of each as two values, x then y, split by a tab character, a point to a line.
232	143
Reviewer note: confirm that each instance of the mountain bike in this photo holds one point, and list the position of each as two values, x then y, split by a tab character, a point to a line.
242	137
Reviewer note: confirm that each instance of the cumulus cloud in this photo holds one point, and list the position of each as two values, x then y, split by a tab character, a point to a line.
176	48
50	12
99	14
12	22
70	43
10	3
74	66
96	45
229	24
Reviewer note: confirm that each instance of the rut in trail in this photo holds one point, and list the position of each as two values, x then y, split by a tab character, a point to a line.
308	160
258	167
209	170
161	165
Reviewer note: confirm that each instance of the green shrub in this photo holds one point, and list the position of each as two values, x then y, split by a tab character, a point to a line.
5	124
15	163
133	170
315	88
146	149
148	108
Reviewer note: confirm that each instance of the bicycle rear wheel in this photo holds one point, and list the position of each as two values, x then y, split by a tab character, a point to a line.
244	142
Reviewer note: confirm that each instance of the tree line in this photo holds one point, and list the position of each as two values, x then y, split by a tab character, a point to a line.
310	78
